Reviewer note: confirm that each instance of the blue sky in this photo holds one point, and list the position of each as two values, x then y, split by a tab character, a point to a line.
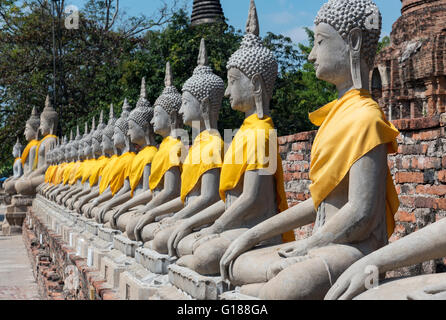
286	17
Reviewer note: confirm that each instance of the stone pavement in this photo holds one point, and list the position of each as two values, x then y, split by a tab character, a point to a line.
16	277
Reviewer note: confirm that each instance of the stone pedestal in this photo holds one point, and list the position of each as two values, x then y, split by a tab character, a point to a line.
197	286
15	214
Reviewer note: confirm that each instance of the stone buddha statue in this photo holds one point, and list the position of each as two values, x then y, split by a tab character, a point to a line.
53	161
17	167
103	140
98	162
200	177
29	153
423	245
165	172
48	126
141	135
251	188
85	154
353	198
58	158
114	181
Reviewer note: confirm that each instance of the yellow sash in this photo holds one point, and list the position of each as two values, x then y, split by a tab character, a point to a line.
74	172
249	151
349	128
97	170
205	154
49	172
58	176
86	169
168	156
107	173
28	147
121	171
143	158
38	146
67	172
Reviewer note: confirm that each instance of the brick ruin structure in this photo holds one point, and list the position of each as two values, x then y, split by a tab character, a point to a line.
409	78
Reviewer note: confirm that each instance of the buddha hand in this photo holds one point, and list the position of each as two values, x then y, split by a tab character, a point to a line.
351	283
434	292
282	264
296	248
239	246
180	232
142	222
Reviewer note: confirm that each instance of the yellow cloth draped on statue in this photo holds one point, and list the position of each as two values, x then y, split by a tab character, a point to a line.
49	173
58	174
74	172
205	154
107	173
167	156
121	171
97	170
249	150
36	159
27	149
141	160
67	172
86	169
350	127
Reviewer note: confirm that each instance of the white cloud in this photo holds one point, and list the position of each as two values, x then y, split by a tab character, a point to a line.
298	34
284	17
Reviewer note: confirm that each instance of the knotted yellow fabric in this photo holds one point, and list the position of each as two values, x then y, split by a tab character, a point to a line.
141	160
205	154
350	127
97	170
36	159
88	165
27	149
67	172
168	156
74	172
249	150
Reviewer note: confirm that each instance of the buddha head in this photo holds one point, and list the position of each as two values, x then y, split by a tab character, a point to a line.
107	135
202	94
165	114
85	144
346	38
140	130
48	119
67	149
17	149
96	135
61	150
76	149
252	71
121	130
32	126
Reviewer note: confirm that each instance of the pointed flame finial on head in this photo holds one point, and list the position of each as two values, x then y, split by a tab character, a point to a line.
112	112
101	117
34	112
47	102
93	124
168	78
252	26
126	106
203	55
71	134
143	93
86	128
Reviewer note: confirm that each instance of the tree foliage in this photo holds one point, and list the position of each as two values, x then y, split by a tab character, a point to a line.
103	62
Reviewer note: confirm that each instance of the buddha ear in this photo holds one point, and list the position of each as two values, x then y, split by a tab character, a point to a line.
258	91
355	44
205	111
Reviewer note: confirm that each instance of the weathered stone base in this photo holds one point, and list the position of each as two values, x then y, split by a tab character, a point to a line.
15	214
197	286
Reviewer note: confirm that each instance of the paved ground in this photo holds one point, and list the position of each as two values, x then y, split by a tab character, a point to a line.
16	277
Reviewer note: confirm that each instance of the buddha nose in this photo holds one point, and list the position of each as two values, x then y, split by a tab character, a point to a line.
312	56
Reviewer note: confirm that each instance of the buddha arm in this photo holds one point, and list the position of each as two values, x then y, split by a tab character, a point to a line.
170	191
171	206
206	216
137	200
208	196
124	190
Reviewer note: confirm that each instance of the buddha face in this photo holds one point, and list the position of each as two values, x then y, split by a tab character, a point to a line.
136	133
240	91
106	144
118	138
87	149
45	126
160	121
97	149
190	108
330	55
73	153
30	133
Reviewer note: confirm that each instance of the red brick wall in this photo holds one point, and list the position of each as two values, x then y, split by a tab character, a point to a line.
418	169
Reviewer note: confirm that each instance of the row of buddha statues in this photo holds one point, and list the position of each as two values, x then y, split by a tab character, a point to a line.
231	218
